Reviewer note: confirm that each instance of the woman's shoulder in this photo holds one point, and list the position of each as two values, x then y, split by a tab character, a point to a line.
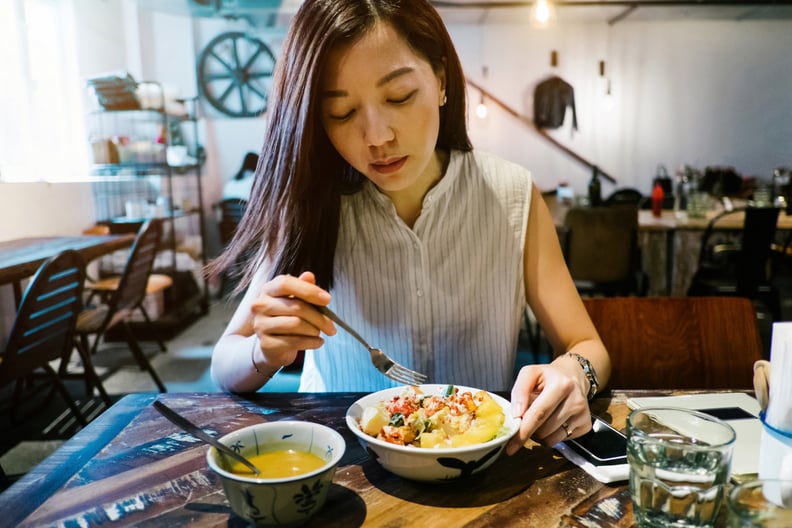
491	167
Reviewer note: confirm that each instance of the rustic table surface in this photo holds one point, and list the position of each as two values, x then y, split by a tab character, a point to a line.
133	467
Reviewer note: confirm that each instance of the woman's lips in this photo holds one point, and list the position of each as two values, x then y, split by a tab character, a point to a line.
389	166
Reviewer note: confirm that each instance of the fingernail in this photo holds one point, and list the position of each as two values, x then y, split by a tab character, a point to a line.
324	296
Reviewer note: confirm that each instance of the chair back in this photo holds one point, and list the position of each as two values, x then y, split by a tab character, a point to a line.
601	247
625	195
132	284
43	328
678	342
231	212
750	261
756	248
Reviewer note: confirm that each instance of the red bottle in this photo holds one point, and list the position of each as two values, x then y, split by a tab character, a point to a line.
657	200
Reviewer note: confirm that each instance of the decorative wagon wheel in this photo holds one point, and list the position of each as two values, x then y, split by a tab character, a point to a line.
235	74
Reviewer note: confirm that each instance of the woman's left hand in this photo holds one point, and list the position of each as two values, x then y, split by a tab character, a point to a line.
551	402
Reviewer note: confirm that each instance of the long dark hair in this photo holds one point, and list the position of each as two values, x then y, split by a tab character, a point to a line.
292	217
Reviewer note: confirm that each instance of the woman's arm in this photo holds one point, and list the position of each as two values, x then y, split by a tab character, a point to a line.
551	399
274	320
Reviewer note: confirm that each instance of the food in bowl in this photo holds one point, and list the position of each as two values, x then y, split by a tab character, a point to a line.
453	418
439	463
279	463
289	500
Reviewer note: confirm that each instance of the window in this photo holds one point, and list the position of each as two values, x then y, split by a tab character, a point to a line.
42	136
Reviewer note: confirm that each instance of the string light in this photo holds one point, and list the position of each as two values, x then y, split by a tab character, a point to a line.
542	13
481	109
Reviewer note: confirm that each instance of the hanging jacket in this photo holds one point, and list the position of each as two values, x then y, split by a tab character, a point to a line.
551	98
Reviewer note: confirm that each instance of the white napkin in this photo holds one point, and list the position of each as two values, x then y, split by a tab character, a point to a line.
775	453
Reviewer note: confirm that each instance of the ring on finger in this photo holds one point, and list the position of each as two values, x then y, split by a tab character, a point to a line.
567	429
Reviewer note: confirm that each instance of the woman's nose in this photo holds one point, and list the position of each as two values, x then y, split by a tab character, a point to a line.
377	129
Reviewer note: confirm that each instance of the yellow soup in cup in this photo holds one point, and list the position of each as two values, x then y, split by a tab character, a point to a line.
282	463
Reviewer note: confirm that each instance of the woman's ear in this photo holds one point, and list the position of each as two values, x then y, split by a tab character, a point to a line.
441	80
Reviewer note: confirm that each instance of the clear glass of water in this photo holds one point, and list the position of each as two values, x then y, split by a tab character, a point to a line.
680	462
761	503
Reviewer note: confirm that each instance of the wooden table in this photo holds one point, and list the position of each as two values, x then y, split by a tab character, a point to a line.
133	466
20	258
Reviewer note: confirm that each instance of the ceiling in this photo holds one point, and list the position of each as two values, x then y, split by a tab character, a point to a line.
613	11
268	13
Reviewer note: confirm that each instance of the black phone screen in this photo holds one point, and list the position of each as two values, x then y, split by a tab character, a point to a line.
602	445
728	413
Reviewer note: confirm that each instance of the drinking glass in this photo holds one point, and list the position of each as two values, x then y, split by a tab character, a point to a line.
680	462
761	503
697	204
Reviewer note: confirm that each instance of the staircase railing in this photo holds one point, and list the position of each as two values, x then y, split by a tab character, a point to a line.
529	122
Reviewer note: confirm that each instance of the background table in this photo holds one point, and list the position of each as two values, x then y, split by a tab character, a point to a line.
136	468
21	258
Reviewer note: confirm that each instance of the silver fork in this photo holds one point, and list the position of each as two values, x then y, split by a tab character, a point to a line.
379	358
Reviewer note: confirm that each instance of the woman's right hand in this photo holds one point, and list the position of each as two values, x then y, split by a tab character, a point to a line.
284	319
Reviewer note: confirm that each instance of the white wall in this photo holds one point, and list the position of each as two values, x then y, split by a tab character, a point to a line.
683	92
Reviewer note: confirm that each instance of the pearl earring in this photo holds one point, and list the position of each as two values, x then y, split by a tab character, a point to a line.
445	100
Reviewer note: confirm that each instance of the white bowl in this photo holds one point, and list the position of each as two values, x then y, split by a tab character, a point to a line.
435	464
287	501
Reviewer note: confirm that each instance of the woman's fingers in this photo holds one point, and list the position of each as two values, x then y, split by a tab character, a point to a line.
552	407
288	302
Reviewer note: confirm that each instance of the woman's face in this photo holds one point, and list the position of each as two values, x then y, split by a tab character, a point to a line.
381	110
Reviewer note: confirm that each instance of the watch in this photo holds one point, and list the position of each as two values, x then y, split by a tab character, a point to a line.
590	373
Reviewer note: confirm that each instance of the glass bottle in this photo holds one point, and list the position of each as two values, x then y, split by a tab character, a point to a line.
595	188
657	199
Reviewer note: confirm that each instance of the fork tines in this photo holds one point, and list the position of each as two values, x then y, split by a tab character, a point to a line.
405	375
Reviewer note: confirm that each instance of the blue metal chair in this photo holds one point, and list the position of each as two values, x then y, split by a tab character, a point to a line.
44	327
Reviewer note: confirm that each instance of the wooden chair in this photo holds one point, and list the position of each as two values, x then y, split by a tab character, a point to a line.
678	342
600	245
126	299
44	326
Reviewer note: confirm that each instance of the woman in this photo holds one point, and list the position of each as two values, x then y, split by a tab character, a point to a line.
369	198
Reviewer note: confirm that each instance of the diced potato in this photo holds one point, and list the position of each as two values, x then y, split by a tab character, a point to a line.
488	421
433	439
373	420
482	430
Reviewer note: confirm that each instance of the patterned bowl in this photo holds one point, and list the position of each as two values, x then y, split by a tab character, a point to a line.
434	464
289	501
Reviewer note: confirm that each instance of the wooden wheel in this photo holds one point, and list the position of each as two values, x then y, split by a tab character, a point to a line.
235	74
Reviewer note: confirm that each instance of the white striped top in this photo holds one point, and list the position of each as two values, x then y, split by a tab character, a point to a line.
445	297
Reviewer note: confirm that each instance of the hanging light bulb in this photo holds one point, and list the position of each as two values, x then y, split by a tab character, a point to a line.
481	109
542	13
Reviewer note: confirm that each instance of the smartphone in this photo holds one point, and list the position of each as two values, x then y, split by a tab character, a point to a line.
603	445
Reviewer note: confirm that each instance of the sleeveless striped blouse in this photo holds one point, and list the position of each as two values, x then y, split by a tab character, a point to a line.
444	298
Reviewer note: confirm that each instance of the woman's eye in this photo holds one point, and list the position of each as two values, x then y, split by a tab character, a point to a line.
343	117
400	100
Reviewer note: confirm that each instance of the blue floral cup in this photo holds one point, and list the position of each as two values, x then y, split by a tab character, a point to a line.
289	501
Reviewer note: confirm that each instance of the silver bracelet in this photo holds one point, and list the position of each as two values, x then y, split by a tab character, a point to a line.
253	360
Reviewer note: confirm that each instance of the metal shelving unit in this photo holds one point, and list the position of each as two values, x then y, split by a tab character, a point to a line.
147	164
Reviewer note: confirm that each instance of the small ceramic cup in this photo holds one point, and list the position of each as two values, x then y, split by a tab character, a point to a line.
289	501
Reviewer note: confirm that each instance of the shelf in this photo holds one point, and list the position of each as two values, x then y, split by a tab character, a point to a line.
139	169
139	220
134	148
